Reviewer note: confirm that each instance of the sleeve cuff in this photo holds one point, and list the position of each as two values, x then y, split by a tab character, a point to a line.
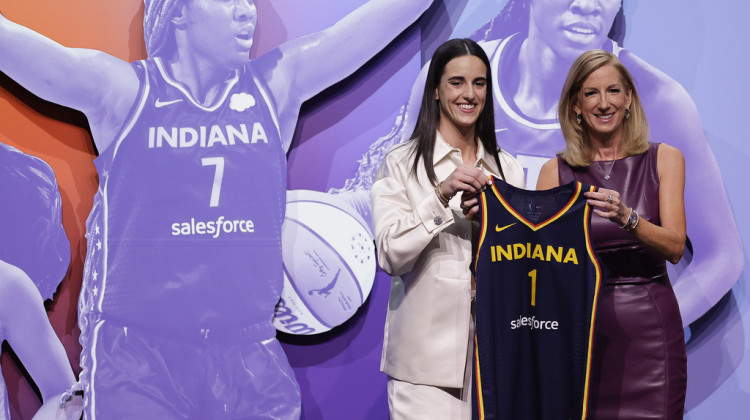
434	216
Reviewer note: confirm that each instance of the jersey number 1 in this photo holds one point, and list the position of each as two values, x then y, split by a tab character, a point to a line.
532	275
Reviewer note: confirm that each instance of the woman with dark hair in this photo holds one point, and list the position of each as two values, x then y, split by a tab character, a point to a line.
639	368
34	257
425	242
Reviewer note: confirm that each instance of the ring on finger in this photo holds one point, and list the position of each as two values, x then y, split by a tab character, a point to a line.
609	198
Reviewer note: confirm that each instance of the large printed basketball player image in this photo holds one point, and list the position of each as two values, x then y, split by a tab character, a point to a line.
184	261
531	44
34	257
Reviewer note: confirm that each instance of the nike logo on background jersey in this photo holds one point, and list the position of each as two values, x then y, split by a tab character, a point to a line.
159	103
500	229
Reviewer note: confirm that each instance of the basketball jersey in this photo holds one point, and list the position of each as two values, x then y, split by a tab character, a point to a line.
537	278
185	230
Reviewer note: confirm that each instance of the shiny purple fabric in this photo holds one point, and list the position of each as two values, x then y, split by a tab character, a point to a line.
640	364
135	374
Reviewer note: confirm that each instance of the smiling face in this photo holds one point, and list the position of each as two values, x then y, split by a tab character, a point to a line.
220	29
602	102
571	27
462	92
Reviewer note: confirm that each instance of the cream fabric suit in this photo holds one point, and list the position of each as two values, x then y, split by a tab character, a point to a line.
427	248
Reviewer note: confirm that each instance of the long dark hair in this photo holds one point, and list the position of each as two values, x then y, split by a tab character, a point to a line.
514	18
429	111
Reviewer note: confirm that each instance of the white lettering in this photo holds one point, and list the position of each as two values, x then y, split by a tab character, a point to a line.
533	323
162	134
188	137
206	136
212	228
216	136
259	133
233	133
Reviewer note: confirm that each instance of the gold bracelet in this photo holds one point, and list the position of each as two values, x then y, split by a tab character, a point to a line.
443	199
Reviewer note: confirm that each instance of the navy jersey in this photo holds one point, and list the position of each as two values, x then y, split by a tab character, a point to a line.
537	278
185	231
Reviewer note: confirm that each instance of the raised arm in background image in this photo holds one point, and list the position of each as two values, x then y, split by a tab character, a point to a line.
34	257
184	235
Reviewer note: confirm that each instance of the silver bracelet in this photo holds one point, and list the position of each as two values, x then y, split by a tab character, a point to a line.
627	221
633	219
637	219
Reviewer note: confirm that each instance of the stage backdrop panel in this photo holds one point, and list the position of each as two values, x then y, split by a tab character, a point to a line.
341	135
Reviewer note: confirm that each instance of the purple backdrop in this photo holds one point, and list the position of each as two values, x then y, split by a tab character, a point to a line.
338	371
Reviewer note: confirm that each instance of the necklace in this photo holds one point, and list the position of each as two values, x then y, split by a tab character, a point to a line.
607	172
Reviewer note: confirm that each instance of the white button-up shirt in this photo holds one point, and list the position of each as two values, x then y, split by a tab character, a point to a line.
427	248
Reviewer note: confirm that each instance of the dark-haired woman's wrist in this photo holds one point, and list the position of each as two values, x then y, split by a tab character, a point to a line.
444	200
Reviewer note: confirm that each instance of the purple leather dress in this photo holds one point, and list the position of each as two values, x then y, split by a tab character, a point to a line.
640	364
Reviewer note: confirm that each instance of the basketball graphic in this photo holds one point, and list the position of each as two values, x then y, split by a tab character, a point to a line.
329	263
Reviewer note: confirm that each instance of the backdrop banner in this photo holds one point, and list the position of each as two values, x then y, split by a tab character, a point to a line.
331	312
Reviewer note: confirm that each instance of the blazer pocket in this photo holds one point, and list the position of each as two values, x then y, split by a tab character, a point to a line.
452	307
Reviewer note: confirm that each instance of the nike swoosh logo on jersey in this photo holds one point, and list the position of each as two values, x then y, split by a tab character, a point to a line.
159	103
500	229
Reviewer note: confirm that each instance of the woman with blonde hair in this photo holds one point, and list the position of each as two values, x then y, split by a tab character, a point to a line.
639	365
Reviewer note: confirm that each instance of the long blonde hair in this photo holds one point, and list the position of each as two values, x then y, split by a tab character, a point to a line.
635	134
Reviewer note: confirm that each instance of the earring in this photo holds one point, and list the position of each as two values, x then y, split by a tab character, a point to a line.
627	114
578	118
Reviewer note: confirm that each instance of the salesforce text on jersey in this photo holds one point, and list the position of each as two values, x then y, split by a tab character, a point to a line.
213	228
533	323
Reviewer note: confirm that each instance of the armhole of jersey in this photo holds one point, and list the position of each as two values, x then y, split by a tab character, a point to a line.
482	227
269	103
141	70
599	278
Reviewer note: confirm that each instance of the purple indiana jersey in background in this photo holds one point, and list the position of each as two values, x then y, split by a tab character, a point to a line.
184	268
185	229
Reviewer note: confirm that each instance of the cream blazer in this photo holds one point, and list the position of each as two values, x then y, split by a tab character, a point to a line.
427	250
